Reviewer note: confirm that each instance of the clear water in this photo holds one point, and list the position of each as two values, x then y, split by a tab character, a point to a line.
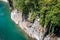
8	29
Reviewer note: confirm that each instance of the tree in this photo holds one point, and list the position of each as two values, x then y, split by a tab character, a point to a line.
48	11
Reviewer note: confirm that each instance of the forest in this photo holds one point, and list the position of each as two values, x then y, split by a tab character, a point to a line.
48	12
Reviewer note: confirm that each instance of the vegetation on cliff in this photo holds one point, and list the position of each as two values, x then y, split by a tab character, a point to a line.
48	11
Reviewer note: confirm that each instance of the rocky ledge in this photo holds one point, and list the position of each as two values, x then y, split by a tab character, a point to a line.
34	30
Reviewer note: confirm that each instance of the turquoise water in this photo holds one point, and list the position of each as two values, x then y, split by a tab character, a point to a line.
8	29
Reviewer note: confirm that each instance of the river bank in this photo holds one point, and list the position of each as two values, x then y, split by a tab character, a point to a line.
29	38
17	18
8	29
22	25
34	30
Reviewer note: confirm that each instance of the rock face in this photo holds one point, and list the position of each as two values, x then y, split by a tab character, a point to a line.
5	0
34	30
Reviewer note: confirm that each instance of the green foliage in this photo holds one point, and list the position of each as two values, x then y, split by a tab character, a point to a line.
49	10
18	4
33	16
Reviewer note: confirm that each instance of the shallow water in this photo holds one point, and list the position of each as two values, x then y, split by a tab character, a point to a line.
8	29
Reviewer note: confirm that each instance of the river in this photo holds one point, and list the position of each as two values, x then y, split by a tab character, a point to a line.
8	29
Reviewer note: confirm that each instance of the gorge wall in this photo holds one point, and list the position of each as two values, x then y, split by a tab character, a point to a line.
34	30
